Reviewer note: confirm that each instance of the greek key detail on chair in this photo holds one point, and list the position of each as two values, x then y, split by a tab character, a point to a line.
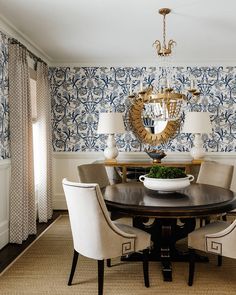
215	247
127	248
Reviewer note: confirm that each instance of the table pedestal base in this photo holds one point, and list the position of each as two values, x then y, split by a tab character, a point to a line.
164	234
166	261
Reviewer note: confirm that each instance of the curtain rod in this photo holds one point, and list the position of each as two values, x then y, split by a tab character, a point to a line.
31	54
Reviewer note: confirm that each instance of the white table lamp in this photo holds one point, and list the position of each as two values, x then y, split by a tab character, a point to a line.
110	123
197	123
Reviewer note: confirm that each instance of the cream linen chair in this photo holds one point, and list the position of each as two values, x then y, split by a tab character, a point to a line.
214	173
95	235
96	173
217	174
93	173
218	237
233	188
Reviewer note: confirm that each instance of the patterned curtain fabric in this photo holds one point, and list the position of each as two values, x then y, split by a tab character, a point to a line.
44	142
22	197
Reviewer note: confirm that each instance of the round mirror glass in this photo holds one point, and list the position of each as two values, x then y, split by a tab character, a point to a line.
152	116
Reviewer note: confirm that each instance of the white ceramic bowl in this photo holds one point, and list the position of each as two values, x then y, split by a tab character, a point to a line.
166	185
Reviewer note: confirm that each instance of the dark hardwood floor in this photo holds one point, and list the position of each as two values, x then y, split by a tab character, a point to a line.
11	251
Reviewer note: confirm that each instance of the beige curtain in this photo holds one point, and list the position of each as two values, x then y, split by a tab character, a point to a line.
44	144
22	198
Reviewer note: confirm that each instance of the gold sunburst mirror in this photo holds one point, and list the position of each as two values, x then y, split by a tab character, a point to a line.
144	116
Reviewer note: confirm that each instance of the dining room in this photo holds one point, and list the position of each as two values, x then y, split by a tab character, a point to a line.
117	144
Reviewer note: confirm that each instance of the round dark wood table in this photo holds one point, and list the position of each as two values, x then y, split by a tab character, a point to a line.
197	200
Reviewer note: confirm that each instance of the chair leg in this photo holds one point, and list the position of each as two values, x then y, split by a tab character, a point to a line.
201	221
191	266
108	262
73	267
219	260
100	276
146	267
224	217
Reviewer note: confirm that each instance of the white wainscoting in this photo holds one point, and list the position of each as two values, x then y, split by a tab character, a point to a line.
65	165
4	202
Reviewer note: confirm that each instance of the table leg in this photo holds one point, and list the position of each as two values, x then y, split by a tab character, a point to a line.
161	231
187	170
124	174
165	251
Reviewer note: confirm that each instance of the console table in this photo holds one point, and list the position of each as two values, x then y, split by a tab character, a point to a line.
145	164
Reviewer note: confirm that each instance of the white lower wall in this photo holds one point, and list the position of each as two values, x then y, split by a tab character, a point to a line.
4	202
65	166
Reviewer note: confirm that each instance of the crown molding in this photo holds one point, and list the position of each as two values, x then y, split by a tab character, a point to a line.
9	29
223	63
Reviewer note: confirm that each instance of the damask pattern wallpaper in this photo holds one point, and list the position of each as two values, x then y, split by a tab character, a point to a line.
4	121
80	94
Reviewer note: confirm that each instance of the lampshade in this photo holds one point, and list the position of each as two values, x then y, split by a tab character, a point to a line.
197	122
110	123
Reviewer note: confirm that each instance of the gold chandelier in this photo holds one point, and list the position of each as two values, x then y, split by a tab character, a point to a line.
161	103
159	106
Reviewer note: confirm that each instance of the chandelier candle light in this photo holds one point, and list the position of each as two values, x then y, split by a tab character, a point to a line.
111	123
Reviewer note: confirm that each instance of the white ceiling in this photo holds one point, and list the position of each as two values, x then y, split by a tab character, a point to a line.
121	32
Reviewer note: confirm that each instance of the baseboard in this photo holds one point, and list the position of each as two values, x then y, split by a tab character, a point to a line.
59	202
5	166
4	234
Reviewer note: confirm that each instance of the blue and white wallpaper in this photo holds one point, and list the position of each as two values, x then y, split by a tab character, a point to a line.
79	94
4	120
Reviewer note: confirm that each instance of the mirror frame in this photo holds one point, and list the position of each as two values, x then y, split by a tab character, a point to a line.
139	129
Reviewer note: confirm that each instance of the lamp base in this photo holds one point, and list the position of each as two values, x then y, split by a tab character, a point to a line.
111	152
197	151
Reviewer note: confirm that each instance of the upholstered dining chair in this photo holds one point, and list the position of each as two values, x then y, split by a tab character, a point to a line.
218	237
217	174
232	188
95	235
96	173
93	173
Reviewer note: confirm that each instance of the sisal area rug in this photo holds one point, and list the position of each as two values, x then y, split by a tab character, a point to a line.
43	269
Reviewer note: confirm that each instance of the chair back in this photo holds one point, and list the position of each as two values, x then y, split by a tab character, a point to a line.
94	234
93	173
217	174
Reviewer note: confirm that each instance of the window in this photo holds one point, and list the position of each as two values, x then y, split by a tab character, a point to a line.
33	99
